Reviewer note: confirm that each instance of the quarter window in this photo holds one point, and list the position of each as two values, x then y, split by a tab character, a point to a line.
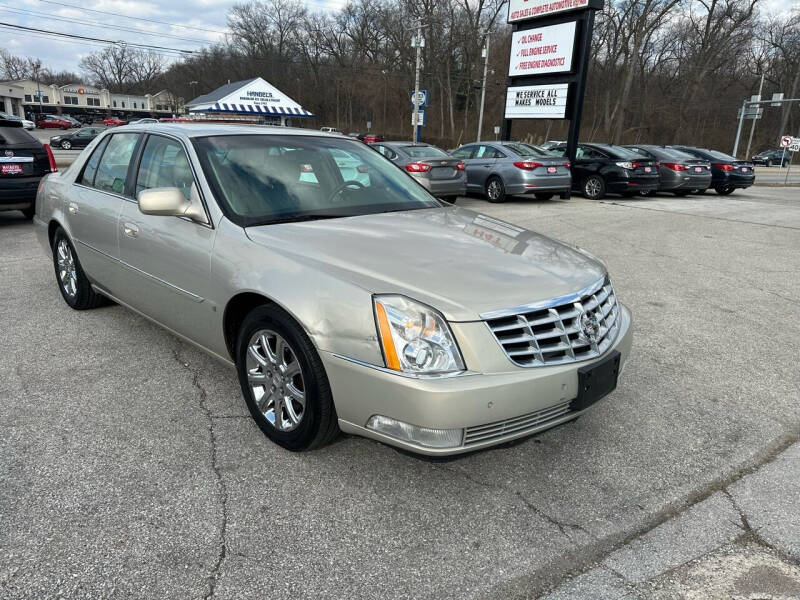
113	169
164	164
387	152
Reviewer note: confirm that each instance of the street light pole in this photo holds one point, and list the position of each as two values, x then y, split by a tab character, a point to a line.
418	43
739	130
753	125
483	86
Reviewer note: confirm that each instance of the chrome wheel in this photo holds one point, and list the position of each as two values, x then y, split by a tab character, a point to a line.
66	145
67	274
494	189
593	187
275	380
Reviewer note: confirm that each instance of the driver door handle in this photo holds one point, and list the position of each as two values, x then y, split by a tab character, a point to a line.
130	230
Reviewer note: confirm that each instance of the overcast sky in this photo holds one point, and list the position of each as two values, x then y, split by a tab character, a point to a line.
74	17
207	15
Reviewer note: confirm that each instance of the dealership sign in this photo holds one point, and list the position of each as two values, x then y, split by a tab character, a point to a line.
520	10
543	50
537	101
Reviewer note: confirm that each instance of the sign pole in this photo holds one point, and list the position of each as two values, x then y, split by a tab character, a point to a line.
739	130
753	125
579	87
418	43
483	86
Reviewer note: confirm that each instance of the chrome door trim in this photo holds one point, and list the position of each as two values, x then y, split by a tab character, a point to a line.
167	284
219	357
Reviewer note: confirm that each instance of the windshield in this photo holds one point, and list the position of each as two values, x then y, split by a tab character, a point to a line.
262	179
527	150
424	151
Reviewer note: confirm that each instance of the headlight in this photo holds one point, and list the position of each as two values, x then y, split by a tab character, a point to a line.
415	338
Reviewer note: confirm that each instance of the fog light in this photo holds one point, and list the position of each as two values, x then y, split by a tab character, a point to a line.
431	438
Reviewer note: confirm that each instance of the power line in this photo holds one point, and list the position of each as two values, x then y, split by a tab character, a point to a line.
103	25
102	12
93	39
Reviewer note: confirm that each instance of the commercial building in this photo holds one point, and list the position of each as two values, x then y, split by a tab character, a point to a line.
76	98
253	99
11	97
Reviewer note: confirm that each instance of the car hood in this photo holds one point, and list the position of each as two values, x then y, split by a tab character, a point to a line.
460	262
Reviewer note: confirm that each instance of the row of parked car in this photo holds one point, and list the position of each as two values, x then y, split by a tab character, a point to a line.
501	169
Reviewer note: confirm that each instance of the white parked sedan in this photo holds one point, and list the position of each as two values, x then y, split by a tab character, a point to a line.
346	296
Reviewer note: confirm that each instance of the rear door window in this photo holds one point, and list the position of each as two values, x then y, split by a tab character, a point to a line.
89	171
112	172
464	152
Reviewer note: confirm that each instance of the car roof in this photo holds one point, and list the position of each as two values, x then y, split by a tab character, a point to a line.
194	130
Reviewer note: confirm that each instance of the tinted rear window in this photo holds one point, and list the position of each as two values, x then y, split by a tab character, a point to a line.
720	155
16	135
527	150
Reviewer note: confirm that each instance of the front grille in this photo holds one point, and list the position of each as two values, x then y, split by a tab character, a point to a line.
559	331
529	422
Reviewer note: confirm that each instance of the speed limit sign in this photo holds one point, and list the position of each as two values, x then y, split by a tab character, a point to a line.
786	141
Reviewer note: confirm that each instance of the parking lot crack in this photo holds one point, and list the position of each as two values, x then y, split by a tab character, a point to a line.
222	490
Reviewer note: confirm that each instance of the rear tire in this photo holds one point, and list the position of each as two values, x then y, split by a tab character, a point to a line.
681	193
725	190
495	189
272	348
768	163
29	212
543	196
72	281
594	187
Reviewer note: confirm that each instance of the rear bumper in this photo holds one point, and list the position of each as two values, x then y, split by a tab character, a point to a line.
18	190
735	181
539	397
445	187
685	182
552	183
637	184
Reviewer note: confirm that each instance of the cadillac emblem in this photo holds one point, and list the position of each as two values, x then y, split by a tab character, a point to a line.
590	328
9	153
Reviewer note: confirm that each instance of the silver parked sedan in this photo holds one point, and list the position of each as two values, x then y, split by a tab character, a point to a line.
438	172
500	169
346	296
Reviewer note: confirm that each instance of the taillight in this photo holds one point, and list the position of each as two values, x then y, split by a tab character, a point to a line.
51	159
566	164
527	165
417	167
676	166
725	167
461	166
636	164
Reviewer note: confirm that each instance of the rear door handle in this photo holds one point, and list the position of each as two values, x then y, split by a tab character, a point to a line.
72	208
130	230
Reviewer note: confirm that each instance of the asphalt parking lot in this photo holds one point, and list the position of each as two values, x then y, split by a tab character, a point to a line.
129	466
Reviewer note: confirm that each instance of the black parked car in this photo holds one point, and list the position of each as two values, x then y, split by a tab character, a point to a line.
23	163
679	172
601	168
772	157
727	173
78	139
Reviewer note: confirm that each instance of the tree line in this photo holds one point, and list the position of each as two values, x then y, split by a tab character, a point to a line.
662	71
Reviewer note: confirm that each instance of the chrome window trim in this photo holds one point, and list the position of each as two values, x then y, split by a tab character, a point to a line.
566	299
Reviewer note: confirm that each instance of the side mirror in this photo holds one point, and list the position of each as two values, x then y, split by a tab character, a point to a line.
170	202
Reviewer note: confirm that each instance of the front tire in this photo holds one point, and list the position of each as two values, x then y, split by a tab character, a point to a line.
495	190
283	381
594	187
66	145
72	281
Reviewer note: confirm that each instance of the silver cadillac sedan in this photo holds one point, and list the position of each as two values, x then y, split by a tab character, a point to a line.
346	296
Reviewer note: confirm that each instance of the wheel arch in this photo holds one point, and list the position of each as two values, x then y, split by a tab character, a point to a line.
237	308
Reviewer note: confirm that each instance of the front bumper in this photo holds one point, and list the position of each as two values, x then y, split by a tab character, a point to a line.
533	396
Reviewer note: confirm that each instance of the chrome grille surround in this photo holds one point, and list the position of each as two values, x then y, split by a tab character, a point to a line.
530	422
551	332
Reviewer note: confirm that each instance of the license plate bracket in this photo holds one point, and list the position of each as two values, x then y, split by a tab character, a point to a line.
596	381
11	169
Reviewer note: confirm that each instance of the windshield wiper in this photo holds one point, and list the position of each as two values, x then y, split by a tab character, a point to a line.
298	219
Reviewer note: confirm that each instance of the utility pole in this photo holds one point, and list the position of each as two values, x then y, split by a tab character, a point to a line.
418	43
485	53
753	125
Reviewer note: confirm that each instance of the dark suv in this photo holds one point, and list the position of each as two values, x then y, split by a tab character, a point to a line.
23	163
772	157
